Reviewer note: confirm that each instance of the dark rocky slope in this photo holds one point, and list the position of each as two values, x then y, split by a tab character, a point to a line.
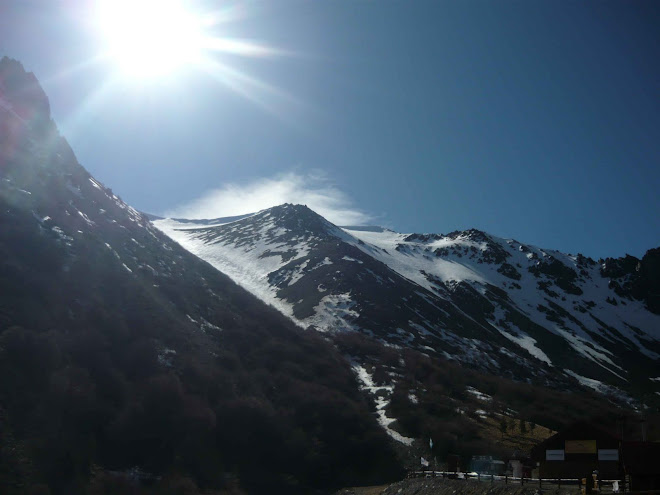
120	350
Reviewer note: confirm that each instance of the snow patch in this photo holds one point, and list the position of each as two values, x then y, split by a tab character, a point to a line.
348	258
596	385
527	343
165	357
334	312
479	395
381	396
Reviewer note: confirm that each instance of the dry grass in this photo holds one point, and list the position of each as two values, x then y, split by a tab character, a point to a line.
513	439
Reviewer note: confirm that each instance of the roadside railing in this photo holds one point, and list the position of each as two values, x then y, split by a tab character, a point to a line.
605	486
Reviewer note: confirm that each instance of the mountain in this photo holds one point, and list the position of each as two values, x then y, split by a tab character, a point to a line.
130	365
125	361
495	305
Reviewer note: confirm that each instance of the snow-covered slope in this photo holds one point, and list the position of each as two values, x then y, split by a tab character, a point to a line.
316	273
537	282
250	249
493	303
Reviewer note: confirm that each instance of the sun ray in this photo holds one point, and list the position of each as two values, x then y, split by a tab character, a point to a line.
67	72
226	15
243	48
268	97
150	42
80	117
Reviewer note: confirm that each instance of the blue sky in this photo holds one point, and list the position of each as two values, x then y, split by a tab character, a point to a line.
535	120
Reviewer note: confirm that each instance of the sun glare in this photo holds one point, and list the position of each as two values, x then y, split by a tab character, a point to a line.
150	38
146	42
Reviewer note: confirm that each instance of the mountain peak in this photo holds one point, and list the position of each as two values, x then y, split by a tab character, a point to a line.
472	234
21	93
292	207
300	218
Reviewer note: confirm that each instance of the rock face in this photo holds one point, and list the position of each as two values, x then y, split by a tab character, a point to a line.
633	278
494	304
22	89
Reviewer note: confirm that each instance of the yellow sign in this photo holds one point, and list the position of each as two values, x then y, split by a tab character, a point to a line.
580	447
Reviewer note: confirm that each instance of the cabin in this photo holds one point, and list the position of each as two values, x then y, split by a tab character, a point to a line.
582	448
577	451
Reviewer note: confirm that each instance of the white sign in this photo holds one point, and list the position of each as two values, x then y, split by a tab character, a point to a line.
424	462
608	455
554	455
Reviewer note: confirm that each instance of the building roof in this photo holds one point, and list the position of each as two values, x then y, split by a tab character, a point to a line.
582	430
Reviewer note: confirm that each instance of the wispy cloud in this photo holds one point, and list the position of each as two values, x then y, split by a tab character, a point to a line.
314	190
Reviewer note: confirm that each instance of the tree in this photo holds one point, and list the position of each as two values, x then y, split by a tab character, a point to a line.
503	426
523	426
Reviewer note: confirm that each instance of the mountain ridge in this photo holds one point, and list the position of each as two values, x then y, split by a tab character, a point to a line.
474	283
122	353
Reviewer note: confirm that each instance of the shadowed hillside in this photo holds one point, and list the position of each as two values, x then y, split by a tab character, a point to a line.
126	362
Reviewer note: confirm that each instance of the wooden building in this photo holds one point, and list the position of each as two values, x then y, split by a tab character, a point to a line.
582	448
641	465
577	451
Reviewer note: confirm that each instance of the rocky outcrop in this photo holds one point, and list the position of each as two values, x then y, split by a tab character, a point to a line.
633	278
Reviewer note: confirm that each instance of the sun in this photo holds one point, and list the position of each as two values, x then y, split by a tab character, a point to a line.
153	43
149	39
